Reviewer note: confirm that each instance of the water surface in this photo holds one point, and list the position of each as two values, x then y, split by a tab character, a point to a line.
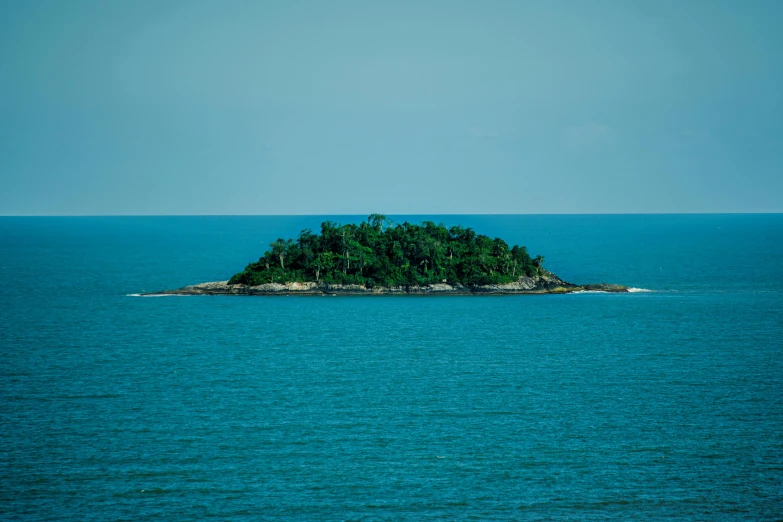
667	404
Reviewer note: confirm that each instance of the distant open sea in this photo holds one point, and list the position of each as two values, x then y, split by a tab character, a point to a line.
665	404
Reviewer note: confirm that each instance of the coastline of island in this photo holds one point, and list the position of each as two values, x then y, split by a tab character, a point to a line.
545	283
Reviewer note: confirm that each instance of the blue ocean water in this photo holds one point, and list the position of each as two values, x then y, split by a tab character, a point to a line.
652	405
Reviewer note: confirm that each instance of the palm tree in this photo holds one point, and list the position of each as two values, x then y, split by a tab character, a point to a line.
279	249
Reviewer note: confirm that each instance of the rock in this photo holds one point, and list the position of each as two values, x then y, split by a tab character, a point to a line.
440	287
606	287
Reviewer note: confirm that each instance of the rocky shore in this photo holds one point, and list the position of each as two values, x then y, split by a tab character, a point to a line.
546	283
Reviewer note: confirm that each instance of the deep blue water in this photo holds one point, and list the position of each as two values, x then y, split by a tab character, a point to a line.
667	404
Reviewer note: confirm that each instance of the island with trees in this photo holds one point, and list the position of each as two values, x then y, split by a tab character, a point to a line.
378	257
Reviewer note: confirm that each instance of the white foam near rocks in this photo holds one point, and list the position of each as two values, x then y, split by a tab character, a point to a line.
639	290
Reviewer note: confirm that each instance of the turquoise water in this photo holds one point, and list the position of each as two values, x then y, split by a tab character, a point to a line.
650	405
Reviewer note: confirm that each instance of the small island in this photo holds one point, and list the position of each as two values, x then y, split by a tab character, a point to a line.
378	257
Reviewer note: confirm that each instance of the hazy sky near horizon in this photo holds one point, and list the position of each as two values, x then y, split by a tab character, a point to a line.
447	107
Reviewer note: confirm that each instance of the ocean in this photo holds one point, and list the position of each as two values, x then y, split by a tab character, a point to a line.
665	403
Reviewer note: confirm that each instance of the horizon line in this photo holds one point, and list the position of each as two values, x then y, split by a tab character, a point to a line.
401	214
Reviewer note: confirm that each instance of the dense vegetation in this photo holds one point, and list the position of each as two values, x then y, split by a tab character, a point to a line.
379	253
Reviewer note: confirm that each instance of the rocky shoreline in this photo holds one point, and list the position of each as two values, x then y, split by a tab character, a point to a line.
546	283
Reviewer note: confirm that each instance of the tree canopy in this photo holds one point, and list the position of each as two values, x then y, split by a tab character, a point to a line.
377	252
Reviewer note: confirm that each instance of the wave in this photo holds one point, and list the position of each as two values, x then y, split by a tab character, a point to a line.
631	290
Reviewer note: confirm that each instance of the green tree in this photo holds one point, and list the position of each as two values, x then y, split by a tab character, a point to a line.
280	250
378	252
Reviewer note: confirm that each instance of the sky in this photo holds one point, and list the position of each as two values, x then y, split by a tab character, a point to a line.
428	107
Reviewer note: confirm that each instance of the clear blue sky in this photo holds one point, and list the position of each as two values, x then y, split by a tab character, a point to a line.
251	107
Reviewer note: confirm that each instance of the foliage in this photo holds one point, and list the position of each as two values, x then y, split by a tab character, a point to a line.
378	253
